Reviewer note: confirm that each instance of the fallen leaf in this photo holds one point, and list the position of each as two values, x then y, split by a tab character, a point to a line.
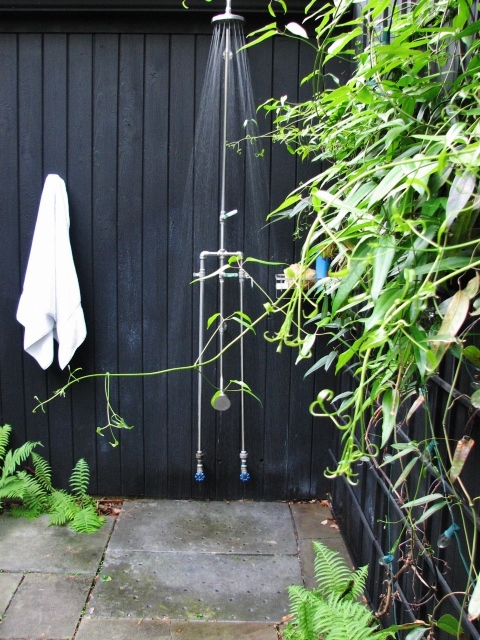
324	522
287	618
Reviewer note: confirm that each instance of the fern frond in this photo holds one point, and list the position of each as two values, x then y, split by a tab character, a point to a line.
331	571
359	579
87	520
11	487
62	507
35	500
43	471
4	438
80	478
340	619
15	457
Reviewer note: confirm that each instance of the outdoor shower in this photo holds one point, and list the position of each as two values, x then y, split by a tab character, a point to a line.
227	92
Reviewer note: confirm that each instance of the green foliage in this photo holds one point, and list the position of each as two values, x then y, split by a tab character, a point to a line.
394	205
33	494
333	610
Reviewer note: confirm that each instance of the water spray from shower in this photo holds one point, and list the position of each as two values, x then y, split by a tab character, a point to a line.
228	75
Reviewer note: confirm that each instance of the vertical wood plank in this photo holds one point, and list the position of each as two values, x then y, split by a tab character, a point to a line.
129	239
256	244
79	180
179	329
11	339
30	140
54	146
278	394
155	237
205	238
104	212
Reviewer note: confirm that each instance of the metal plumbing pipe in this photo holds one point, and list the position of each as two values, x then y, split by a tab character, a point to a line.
223	188
200	475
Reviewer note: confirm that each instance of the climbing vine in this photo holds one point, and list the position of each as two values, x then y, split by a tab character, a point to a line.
393	213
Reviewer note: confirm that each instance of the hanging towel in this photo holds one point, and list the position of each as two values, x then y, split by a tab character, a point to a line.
50	305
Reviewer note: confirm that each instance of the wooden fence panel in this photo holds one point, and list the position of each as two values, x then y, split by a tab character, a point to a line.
109	102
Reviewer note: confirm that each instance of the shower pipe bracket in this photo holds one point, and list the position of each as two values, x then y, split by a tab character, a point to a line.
229	214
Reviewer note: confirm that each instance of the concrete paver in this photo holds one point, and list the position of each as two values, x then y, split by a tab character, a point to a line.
46	606
313	521
209	586
223	631
31	545
217	527
121	629
8	585
167	569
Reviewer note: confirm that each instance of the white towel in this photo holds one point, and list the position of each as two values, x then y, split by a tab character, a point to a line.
50	305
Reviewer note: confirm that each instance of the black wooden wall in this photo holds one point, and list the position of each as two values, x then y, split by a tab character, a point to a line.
107	99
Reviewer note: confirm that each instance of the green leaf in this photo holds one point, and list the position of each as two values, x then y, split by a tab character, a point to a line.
386	185
431	510
384	303
306	348
475	399
474	604
460	193
296	29
245	388
389	413
423	500
472	354
324	362
405	472
417	633
341	42
453	320
243	320
383	256
357	266
449	624
212	319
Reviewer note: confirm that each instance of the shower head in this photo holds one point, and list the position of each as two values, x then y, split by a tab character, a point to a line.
228	16
221	402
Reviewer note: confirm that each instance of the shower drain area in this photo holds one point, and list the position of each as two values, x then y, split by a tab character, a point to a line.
198	561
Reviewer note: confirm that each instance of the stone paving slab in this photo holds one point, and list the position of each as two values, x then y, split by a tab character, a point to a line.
32	546
102	629
8	585
223	631
188	586
46	607
121	629
219	527
309	519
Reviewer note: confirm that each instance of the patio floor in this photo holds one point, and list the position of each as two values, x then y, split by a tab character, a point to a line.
162	569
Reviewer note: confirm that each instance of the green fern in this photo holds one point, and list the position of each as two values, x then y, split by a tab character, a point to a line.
11	488
87	520
334	576
4	438
43	471
34	498
333	610
15	457
62	507
80	478
35	493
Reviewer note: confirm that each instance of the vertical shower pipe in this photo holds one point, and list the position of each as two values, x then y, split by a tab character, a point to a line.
222	402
